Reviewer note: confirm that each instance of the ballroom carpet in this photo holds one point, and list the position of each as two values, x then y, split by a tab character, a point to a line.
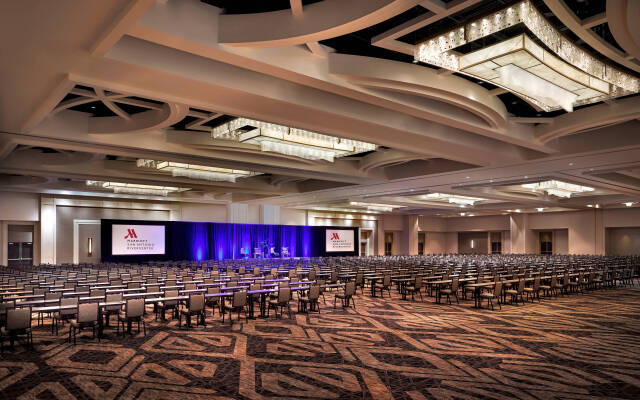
572	347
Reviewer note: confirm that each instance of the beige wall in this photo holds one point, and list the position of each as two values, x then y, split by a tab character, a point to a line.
204	212
622	241
479	240
292	216
19	206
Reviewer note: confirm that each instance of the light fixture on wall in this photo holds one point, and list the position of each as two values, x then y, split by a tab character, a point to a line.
193	171
289	141
565	77
133	188
90	246
558	188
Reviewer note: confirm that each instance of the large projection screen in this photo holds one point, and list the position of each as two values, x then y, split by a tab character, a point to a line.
128	240
339	240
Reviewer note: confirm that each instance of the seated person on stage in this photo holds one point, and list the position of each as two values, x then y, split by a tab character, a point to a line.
285	252
272	252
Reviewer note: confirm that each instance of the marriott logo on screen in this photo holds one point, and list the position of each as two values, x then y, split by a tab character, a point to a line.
131	233
334	236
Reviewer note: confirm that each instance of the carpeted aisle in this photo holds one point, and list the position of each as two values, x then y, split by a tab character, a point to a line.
572	347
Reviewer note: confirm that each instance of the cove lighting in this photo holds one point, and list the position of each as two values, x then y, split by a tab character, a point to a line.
462	201
566	77
289	141
133	188
192	171
558	188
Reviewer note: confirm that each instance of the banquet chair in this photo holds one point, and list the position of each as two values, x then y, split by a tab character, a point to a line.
360	281
65	315
533	292
452	290
238	304
283	299
18	323
163	306
415	288
495	294
133	312
87	317
311	299
517	292
213	301
384	285
113	309
195	306
347	296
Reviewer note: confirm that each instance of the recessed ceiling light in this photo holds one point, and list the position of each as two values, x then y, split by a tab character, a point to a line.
589	205
514	102
517	210
628	204
570	164
597	205
463	214
93	107
540	209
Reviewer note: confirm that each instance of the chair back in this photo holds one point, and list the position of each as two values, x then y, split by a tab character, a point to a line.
134	308
19	318
313	275
196	302
350	288
152	288
88	312
241	270
274	271
255	286
39	291
386	280
284	295
70	285
256	271
418	282
133	285
190	286
314	292
213	289
112	298
53	296
96	292
171	293
497	291
334	275
359	278
521	286
69	301
239	298
454	284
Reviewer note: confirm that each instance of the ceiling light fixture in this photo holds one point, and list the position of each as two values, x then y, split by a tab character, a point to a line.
375	206
566	78
289	141
628	203
540	209
193	171
133	188
453	199
558	188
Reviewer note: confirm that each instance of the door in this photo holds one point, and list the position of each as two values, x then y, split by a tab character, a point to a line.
20	245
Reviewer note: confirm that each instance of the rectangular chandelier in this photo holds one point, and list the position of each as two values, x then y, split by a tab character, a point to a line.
193	171
375	206
134	188
462	201
289	141
562	78
558	188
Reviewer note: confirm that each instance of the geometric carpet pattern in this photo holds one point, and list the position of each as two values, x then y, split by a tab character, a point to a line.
572	347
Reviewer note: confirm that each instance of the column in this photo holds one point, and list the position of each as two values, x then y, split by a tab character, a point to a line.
47	230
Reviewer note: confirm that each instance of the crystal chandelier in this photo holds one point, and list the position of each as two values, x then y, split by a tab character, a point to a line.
375	206
558	188
193	171
462	201
133	188
561	79
289	141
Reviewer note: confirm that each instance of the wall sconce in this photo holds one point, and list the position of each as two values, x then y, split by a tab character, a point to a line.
90	246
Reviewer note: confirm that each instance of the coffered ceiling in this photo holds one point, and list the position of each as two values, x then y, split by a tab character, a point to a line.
89	88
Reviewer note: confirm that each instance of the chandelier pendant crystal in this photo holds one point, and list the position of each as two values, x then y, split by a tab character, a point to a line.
289	141
565	77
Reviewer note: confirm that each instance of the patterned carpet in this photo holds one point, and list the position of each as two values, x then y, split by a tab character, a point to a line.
574	347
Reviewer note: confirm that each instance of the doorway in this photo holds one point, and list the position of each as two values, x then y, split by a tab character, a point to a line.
20	245
546	242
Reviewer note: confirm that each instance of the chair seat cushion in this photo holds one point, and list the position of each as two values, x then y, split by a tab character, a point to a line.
446	291
487	295
511	292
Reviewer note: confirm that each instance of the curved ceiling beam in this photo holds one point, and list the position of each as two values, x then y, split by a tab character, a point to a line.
319	21
170	114
420	81
587	118
382	158
569	18
626	31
